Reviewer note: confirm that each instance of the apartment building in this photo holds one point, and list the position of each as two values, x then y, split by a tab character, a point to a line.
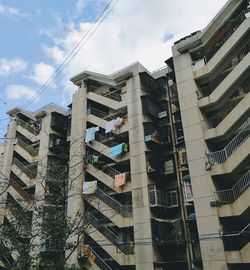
212	70
128	154
32	175
153	167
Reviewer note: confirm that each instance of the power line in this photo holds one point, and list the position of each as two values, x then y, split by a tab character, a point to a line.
74	52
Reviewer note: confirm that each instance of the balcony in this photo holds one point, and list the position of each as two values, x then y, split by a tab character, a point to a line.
219	157
32	128
124	210
26	196
29	148
30	170
161	198
157	111
237	241
219	38
219	116
107	92
125	247
151	85
100	262
208	88
167	232
57	145
59	122
156	137
156	166
229	196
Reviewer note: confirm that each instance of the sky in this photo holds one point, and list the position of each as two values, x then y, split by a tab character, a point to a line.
37	36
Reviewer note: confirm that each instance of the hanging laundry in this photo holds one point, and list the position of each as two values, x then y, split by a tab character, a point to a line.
89	187
90	134
120	179
188	191
169	166
95	159
118	121
110	126
127	176
182	156
116	150
125	147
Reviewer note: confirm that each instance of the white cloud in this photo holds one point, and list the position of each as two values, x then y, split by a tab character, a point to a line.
42	73
8	66
56	53
12	12
15	91
139	30
135	31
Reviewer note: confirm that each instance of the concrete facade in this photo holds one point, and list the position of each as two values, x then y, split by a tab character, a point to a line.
212	76
26	180
155	164
123	221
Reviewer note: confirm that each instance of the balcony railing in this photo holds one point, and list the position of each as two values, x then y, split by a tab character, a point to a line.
28	127
30	149
100	262
208	89
27	169
229	196
104	115
124	210
237	241
21	191
109	94
221	156
125	247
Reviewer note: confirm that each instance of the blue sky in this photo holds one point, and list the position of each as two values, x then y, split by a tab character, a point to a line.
36	36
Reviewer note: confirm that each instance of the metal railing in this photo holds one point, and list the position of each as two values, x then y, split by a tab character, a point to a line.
30	149
125	247
110	171
51	104
28	127
124	210
31	173
208	89
99	91
105	168
228	196
213	122
100	262
21	191
104	115
104	139
237	241
221	156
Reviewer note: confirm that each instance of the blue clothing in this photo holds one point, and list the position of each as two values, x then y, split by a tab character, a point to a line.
116	150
